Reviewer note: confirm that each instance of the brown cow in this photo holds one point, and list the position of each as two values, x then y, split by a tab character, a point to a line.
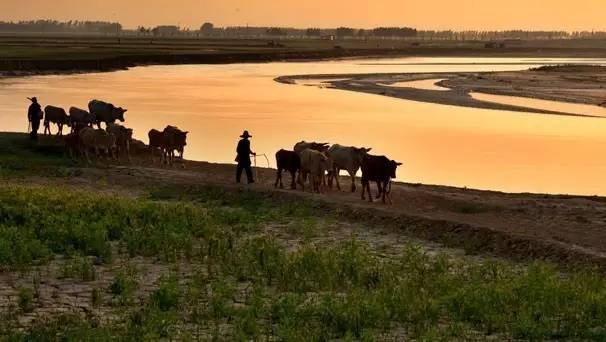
57	116
378	169
174	139
313	164
156	143
97	139
123	138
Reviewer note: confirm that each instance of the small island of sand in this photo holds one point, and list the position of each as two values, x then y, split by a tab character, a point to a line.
579	84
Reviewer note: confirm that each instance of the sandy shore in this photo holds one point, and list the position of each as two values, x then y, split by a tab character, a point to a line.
571	84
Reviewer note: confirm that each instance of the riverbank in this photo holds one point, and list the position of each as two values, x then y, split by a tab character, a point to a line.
118	250
29	55
579	84
564	229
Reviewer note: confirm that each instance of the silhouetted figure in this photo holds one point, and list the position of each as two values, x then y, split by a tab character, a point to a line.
34	115
243	158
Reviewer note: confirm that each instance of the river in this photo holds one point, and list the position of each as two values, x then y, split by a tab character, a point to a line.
485	149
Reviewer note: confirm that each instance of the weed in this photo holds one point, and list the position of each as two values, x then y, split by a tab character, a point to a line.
26	299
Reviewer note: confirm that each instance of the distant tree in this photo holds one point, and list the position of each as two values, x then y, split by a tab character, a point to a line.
275	31
400	32
344	32
313	32
207	28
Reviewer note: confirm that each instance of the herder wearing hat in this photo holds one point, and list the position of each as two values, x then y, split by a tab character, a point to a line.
243	158
34	115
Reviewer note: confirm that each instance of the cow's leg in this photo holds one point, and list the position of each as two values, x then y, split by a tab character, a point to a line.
380	190
128	150
278	178
60	127
303	177
369	193
86	154
293	174
363	189
353	180
384	191
336	175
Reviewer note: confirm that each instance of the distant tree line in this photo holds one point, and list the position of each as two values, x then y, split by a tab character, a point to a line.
209	30
55	26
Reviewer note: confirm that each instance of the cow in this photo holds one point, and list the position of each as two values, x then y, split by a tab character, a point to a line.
287	161
378	169
57	116
303	145
346	158
123	138
79	116
156	143
97	139
73	145
105	112
174	139
320	147
138	146
313	164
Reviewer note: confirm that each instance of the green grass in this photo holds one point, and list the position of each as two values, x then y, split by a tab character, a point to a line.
21	157
246	285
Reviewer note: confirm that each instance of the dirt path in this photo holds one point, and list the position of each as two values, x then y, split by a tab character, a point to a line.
564	229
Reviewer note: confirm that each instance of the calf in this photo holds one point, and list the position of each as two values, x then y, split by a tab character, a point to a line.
346	158
57	116
123	138
378	169
320	147
313	164
287	161
73	145
97	139
138	146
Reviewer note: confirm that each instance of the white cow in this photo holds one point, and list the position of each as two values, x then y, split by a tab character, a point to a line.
347	158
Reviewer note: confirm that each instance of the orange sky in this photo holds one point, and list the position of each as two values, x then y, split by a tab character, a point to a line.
429	14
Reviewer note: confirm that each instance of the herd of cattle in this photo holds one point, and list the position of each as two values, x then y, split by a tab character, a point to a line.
317	162
321	164
115	140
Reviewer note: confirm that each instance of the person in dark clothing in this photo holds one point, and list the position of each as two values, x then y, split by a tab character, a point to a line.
34	115
243	158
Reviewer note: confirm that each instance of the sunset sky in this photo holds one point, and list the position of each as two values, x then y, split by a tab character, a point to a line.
425	14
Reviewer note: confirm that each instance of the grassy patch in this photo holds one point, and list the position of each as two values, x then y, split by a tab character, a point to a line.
20	156
244	284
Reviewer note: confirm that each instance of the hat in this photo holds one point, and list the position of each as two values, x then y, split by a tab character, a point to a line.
33	99
245	135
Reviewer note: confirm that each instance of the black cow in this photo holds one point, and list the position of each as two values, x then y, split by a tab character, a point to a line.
287	161
378	169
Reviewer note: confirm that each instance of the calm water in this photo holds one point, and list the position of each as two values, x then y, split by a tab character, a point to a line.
439	144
